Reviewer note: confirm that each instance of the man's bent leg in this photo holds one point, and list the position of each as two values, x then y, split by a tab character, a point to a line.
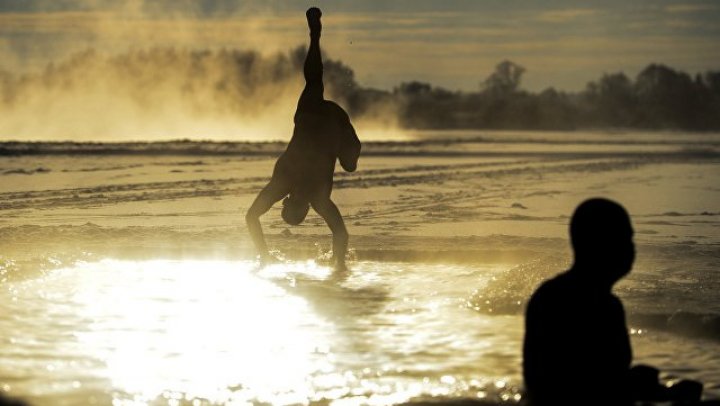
272	193
330	213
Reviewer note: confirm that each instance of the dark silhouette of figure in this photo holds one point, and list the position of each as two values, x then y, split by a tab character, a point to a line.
303	174
8	401
577	349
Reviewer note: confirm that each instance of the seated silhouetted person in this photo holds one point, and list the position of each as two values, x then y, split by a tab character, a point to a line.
577	349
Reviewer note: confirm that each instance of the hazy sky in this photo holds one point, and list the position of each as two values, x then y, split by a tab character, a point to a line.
451	43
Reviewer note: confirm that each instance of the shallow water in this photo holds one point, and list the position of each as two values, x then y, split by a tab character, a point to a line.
126	279
224	330
158	331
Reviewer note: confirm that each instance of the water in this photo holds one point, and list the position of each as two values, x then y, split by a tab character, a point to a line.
220	330
126	279
202	332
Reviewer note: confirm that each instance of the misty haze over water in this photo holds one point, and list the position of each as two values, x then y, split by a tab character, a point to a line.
167	93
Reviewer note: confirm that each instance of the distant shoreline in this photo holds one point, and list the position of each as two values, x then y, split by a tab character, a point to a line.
429	144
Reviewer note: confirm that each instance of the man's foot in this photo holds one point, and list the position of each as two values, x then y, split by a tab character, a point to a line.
331	261
340	267
340	274
313	15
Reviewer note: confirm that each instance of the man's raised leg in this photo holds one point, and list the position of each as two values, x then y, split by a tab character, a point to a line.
313	68
312	96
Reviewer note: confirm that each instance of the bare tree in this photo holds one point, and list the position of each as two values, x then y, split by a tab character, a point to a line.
505	80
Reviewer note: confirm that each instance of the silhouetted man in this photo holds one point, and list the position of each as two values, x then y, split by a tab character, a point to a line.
577	349
304	172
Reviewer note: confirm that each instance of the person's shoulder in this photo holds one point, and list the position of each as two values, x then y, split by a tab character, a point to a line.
616	303
332	105
557	284
550	291
335	109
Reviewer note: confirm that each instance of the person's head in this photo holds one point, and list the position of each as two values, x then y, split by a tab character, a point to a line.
601	235
295	209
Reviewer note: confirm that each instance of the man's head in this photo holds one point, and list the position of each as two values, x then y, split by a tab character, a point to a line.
601	236
295	209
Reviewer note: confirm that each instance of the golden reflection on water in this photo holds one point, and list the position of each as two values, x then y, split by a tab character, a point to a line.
202	330
173	332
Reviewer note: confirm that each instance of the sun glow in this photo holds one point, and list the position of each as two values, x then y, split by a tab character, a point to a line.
201	330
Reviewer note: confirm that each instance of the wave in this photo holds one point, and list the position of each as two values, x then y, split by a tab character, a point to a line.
508	293
697	325
22	171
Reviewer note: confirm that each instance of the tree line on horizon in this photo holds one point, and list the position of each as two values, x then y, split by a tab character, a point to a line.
658	98
241	83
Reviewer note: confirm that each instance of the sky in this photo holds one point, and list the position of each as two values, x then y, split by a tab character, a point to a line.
450	43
